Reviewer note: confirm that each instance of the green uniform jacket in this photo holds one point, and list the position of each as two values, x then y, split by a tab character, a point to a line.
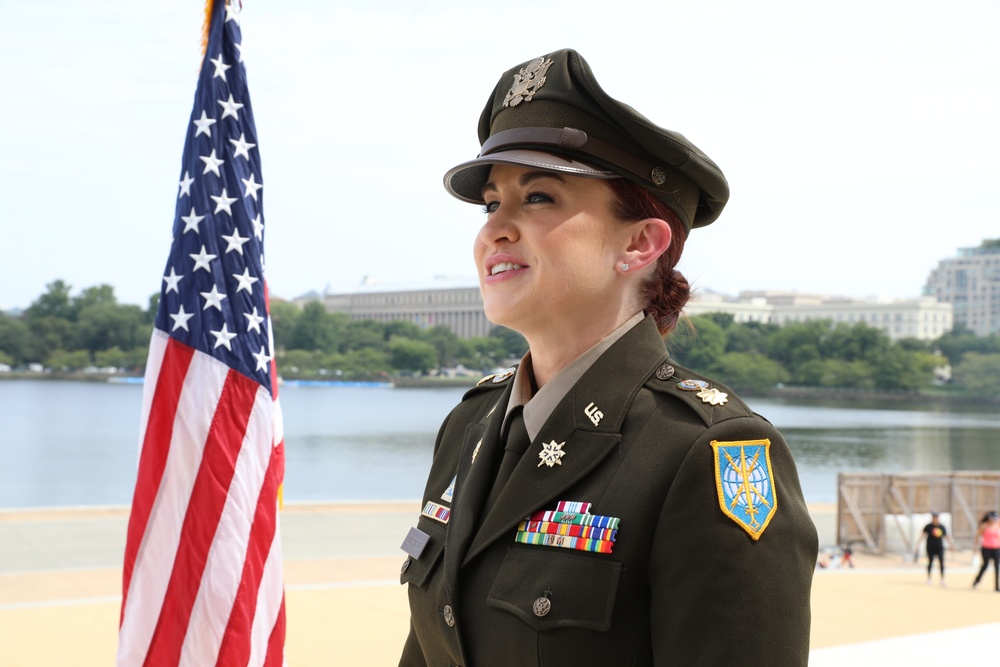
685	584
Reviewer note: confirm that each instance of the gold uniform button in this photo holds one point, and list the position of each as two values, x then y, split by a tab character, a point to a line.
542	607
449	616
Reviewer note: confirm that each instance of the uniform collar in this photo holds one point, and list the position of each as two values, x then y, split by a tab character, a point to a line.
587	421
539	405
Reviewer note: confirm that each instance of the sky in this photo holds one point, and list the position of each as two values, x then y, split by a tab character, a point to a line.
859	137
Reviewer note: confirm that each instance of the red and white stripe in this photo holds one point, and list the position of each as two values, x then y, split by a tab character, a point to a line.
202	580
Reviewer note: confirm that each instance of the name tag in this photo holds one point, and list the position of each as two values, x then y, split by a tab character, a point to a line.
415	542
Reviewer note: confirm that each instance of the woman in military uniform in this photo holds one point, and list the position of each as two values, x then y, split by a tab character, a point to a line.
600	504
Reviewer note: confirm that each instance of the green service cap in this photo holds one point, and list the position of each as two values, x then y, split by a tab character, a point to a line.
551	113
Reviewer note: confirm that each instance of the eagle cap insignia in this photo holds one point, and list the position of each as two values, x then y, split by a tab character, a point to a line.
745	482
527	82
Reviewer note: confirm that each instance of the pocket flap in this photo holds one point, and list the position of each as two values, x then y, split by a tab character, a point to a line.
580	589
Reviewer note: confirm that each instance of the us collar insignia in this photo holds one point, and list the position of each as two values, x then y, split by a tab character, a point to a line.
713	396
527	82
594	414
745	482
551	454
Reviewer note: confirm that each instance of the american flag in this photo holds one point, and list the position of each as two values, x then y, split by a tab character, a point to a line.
202	577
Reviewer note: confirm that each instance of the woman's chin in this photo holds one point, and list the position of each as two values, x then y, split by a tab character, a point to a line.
504	314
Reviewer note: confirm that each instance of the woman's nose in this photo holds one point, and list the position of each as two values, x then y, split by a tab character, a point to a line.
499	228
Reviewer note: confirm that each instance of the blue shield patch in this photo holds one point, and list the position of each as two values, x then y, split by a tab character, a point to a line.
744	479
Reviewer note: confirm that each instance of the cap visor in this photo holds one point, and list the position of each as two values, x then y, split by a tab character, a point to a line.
466	181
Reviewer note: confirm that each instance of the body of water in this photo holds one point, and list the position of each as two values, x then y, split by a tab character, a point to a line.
68	443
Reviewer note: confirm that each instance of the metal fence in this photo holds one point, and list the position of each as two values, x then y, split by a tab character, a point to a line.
887	513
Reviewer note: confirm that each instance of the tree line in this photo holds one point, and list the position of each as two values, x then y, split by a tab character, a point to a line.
69	333
754	356
91	330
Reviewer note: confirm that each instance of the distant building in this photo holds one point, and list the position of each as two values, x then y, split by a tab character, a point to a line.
971	283
452	302
458	305
923	318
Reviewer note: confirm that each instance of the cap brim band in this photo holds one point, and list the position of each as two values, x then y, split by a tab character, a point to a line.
466	181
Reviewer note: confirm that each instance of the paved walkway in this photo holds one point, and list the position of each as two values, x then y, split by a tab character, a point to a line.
60	591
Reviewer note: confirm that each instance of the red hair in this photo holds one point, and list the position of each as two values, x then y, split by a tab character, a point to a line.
668	290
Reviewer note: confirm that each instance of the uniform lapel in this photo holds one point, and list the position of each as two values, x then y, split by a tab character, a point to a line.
473	483
604	394
530	486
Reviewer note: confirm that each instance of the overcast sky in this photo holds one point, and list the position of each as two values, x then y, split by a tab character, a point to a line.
859	137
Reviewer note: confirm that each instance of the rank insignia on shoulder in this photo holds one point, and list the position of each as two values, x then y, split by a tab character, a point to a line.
745	483
504	374
497	378
713	396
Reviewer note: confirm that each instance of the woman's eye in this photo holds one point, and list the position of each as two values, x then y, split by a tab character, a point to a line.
491	206
537	198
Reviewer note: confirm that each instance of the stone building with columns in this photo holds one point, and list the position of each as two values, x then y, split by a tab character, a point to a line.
453	302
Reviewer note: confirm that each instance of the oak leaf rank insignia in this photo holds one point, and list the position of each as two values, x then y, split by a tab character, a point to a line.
713	396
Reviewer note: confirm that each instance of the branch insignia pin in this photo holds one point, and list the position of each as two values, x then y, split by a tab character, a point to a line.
551	454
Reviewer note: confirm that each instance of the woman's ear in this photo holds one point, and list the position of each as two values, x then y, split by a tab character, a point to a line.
648	239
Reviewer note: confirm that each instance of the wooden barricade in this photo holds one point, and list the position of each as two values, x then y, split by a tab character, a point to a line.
882	512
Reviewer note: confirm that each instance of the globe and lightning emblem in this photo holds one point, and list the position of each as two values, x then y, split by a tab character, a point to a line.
745	483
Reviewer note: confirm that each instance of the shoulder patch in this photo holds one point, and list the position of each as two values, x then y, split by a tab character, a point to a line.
745	483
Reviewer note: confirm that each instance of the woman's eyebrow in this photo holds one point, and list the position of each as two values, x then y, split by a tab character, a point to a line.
526	178
535	175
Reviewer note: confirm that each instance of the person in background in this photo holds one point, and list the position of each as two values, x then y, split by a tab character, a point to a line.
935	534
599	504
988	538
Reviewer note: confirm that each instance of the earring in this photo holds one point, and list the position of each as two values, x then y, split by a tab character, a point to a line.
624	267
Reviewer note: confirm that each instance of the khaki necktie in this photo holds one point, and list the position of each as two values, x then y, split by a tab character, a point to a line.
517	443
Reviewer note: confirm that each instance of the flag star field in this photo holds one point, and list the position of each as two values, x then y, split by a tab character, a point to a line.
212	297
